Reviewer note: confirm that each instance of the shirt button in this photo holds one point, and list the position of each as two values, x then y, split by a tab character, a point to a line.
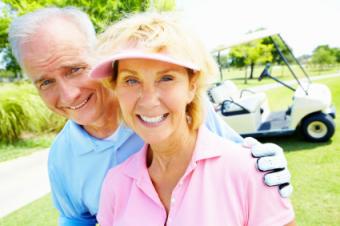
173	200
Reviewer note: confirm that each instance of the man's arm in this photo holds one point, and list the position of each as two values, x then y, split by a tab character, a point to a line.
271	158
69	215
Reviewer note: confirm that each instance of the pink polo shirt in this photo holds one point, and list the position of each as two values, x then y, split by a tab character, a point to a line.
221	186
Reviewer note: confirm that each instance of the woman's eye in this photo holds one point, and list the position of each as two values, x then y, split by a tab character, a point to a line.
131	82
166	78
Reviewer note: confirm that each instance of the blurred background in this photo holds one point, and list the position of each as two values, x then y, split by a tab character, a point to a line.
310	29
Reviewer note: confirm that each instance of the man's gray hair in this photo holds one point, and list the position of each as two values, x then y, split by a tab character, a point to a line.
24	27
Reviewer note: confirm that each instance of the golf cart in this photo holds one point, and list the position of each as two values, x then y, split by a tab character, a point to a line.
311	110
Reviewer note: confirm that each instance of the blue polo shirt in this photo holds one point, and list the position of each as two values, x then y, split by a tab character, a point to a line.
78	163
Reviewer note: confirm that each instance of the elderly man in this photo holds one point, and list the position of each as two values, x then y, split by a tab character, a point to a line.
54	47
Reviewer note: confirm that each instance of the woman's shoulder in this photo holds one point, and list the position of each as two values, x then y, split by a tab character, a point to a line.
234	157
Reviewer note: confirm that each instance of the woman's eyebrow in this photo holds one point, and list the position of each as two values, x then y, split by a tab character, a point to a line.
169	70
126	70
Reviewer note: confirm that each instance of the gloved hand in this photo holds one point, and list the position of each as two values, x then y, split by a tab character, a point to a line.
271	159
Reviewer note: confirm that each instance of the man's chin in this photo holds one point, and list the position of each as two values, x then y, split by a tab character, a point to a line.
83	120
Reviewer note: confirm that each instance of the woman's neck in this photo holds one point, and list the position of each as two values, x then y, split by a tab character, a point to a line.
168	162
177	150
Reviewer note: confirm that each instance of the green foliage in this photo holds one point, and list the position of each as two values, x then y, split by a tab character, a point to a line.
324	55
25	146
164	5
8	59
283	48
337	54
101	13
251	53
21	109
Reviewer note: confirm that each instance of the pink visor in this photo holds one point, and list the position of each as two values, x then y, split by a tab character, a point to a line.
105	68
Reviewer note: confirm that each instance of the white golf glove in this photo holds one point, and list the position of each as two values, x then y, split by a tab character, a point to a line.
271	159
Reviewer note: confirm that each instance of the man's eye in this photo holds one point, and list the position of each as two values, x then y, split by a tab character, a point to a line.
45	84
76	69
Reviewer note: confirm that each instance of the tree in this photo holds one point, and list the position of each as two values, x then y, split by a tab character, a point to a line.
101	12
251	54
283	48
163	5
324	55
8	60
337	54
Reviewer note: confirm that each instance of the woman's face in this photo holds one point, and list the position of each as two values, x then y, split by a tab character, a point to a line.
153	96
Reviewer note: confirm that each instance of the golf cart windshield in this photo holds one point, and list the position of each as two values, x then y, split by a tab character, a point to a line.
285	57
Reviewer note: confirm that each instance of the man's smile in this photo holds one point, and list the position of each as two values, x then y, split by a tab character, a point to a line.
82	104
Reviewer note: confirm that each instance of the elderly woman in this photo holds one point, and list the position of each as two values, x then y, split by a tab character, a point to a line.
184	174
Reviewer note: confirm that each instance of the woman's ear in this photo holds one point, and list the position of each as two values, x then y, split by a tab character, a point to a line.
193	86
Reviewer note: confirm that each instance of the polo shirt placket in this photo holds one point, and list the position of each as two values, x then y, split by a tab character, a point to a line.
179	192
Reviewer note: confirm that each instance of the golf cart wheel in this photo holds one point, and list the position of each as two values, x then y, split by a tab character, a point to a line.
318	128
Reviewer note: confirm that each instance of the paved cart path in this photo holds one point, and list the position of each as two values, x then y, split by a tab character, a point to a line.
22	181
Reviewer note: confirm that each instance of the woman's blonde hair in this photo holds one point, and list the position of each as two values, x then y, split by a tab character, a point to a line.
162	33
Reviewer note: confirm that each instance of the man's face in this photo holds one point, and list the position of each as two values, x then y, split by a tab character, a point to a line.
58	60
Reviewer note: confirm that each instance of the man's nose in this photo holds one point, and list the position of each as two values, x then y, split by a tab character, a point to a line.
68	92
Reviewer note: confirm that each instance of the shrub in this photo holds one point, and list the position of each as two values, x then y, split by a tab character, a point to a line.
21	109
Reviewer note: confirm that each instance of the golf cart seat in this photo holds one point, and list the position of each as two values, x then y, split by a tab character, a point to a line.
246	112
246	99
252	102
226	90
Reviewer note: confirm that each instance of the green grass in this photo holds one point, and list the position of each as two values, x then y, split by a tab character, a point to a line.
26	124
315	167
38	213
280	72
25	146
22	110
315	172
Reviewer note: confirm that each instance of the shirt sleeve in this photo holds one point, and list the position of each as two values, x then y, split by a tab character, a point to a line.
68	214
265	207
215	124
105	213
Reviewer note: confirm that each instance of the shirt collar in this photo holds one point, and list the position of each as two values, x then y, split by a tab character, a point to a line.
206	147
86	143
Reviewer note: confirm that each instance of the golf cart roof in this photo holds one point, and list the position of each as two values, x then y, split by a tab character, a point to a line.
234	41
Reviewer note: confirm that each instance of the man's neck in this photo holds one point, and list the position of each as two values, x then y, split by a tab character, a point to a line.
106	125
102	130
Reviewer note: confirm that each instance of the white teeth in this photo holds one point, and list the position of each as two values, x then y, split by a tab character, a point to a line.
153	119
79	105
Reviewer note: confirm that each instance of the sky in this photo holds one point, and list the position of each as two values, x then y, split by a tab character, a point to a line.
303	24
